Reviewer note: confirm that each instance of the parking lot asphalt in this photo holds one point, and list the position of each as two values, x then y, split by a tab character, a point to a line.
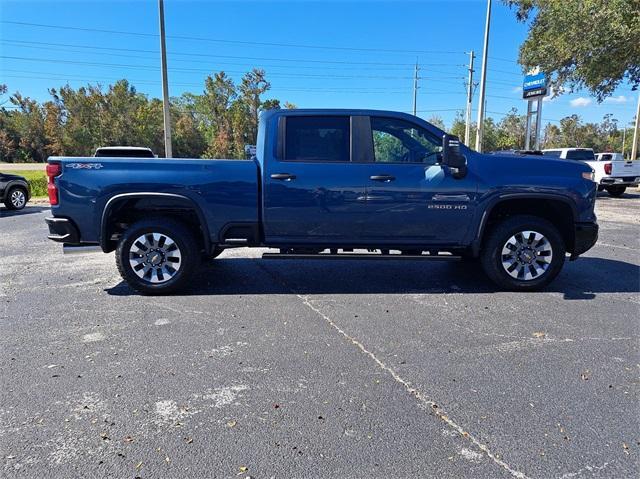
319	369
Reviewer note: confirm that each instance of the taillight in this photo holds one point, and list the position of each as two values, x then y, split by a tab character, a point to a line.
607	168
53	170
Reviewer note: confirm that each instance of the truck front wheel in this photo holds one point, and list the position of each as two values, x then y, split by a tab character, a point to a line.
157	256
523	253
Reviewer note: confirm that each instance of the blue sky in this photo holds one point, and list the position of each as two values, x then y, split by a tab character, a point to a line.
357	54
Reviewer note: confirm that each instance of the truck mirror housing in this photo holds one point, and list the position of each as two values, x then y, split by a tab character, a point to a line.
452	157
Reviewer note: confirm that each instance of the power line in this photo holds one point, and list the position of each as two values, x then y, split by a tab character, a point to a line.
208	62
440	79
191	54
238	42
508	60
154	68
133	81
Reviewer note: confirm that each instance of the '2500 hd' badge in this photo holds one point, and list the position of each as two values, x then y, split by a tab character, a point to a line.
85	166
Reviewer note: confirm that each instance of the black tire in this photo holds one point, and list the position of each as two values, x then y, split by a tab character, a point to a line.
16	198
188	256
492	259
600	188
616	191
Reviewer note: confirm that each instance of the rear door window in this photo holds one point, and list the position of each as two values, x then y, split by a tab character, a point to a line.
317	138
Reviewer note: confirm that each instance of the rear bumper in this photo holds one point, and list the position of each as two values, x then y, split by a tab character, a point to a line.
62	230
586	235
620	181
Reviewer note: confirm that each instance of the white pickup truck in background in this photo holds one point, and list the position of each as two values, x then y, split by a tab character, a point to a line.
612	172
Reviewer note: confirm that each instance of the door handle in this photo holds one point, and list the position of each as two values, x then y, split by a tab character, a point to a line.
385	178
283	176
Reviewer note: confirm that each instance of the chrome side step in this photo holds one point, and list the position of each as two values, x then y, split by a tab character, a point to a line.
81	249
364	256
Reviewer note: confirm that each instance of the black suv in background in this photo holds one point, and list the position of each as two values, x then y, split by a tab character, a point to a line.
14	191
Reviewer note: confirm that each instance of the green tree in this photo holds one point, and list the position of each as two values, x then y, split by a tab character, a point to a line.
436	120
511	131
28	123
583	43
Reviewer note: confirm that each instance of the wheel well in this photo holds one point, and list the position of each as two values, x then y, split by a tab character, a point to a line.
124	212
556	212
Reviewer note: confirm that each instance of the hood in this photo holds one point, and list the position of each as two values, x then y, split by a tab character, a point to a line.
8	177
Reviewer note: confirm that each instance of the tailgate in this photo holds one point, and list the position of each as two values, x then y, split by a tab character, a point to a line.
625	168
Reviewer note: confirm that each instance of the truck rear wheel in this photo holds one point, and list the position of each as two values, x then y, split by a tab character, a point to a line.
157	256
523	253
616	191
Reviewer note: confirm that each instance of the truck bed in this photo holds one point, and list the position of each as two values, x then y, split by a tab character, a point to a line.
224	190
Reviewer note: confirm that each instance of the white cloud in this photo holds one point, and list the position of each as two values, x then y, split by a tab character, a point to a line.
517	89
616	99
580	102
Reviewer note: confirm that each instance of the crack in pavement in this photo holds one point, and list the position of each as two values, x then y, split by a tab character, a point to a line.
424	401
420	396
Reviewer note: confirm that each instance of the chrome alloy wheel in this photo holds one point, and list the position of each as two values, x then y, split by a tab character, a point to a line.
18	198
527	255
155	257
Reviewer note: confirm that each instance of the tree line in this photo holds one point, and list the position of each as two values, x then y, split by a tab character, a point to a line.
509	133
219	122
216	123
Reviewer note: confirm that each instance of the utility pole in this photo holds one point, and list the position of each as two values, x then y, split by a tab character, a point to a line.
624	134
634	146
467	126
483	80
165	85
415	89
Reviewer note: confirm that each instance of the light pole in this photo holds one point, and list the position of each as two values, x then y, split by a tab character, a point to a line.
165	85
483	80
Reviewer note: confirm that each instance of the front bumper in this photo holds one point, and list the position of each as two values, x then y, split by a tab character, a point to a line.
62	230
586	235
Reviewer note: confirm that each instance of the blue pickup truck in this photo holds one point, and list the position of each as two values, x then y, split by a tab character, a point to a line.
329	184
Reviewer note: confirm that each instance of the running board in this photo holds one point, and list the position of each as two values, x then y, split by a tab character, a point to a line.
372	256
81	249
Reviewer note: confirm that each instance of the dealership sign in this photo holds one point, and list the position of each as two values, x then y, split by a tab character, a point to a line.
534	86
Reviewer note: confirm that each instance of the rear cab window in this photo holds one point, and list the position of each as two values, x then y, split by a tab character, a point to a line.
555	153
317	138
580	155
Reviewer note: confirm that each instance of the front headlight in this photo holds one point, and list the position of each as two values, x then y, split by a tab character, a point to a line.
589	175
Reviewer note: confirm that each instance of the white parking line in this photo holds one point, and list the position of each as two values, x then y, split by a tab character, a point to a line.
616	246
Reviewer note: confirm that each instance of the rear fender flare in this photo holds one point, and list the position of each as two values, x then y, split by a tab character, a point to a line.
104	241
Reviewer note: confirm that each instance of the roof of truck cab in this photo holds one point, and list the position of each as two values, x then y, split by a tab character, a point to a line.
344	111
568	149
335	111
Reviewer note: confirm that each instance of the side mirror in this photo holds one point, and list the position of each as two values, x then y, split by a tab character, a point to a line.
452	157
